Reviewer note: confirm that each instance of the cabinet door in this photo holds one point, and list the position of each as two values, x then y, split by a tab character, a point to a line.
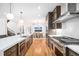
22	48
64	8
50	20
71	52
71	7
53	16
57	52
28	43
26	47
11	51
58	12
59	25
58	8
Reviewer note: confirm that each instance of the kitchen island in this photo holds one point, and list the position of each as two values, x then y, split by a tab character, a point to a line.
8	42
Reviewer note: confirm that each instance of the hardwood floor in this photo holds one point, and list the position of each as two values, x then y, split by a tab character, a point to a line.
39	48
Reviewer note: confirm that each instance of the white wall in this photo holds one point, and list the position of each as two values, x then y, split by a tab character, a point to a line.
3	21
3	27
71	28
39	25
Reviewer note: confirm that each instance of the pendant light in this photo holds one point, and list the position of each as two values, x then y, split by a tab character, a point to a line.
21	22
10	15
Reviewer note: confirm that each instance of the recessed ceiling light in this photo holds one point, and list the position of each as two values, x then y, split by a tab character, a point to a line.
21	21
39	8
39	15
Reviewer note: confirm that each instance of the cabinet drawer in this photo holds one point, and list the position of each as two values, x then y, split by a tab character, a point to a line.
11	51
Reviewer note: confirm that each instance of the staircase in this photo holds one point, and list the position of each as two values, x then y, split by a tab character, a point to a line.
11	28
10	32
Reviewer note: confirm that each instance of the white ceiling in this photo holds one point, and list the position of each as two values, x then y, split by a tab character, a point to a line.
30	10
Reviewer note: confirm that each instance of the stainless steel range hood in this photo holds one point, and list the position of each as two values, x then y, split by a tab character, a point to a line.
71	13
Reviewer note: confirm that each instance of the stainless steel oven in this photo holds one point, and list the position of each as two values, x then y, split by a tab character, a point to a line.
57	47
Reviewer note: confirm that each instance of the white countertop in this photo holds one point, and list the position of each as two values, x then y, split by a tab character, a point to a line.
55	35
8	42
75	48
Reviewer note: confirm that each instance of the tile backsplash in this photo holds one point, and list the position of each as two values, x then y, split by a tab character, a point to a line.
52	32
71	28
59	32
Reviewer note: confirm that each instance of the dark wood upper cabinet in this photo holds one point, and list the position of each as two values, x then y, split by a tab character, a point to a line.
50	20
53	16
57	12
59	25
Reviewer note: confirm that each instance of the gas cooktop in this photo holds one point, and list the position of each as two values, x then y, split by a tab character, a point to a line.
67	40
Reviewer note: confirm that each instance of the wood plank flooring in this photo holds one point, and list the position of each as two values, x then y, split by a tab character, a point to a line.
39	48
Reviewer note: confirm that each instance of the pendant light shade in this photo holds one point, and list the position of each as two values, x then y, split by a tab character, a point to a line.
10	15
21	20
